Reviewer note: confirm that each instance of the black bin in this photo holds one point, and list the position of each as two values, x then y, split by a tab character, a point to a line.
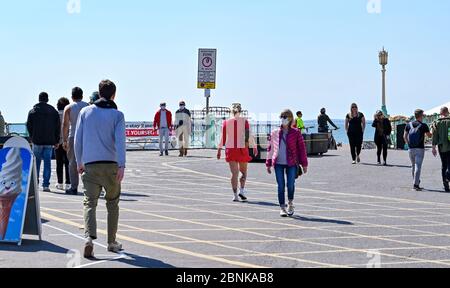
400	133
308	143
319	143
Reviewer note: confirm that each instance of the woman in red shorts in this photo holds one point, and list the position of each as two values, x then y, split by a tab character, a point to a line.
236	139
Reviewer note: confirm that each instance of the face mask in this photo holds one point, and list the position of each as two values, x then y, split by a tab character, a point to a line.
163	107
182	107
285	122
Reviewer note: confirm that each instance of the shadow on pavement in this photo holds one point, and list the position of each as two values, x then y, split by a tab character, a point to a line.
321	220
261	203
436	191
198	157
323	156
134	195
137	261
33	246
389	165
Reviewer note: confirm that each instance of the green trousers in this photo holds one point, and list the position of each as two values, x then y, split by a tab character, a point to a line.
96	177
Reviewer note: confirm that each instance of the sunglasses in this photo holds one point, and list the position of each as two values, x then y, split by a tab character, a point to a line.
284	117
354	107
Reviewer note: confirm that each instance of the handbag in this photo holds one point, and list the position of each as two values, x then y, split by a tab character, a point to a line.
298	167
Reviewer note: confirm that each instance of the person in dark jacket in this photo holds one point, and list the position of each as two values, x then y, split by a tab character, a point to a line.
44	128
383	130
323	121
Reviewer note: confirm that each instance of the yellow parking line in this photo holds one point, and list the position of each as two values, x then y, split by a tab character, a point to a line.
158	246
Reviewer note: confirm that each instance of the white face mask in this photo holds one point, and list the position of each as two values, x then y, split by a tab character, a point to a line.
182	107
285	122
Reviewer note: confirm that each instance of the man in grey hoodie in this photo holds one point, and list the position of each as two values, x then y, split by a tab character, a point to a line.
100	153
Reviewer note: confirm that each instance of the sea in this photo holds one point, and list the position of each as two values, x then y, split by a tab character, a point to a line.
340	135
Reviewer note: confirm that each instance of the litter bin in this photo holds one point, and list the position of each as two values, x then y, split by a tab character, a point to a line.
400	132
308	143
319	143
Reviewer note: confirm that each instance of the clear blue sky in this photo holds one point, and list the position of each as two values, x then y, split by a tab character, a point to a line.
272	54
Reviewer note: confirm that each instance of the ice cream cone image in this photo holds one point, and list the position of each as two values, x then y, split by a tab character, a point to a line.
10	187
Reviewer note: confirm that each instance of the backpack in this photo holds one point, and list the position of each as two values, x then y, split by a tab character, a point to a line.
414	136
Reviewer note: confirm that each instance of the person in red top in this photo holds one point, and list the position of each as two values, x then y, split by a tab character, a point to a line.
236	138
163	123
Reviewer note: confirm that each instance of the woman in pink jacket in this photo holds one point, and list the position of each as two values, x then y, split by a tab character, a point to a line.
286	150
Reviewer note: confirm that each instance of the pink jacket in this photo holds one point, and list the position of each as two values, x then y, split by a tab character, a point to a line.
296	148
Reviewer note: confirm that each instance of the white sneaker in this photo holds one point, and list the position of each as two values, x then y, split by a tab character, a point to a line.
291	209
354	162
235	197
283	212
115	247
59	187
242	195
88	248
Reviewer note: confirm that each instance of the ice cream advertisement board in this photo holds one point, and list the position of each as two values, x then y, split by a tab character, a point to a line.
15	175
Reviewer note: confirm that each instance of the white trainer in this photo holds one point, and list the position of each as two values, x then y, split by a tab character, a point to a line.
242	195
59	187
115	247
291	209
235	197
283	212
88	248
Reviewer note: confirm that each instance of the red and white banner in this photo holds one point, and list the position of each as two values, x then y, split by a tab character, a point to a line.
146	132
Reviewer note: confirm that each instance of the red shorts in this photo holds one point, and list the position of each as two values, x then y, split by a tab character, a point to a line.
240	155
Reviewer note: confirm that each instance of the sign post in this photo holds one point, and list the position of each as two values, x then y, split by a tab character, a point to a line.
207	63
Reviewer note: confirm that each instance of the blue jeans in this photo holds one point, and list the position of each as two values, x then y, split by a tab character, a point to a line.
163	136
290	172
44	153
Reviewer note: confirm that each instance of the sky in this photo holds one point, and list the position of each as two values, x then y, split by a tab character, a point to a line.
272	55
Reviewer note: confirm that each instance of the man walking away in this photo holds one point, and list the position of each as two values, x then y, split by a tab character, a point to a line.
44	128
441	138
69	128
414	136
323	121
2	126
163	122
100	153
183	128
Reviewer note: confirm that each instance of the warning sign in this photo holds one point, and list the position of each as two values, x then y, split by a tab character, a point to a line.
207	69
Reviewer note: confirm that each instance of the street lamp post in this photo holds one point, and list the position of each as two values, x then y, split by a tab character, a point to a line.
384	55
